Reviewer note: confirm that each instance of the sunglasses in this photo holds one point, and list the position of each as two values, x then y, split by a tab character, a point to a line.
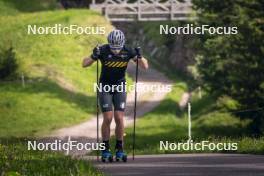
115	48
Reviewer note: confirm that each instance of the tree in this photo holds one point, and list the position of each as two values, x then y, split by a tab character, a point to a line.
234	64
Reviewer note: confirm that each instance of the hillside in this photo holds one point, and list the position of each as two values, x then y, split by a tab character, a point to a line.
57	92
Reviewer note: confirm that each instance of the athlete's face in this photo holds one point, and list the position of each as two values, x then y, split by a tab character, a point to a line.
115	49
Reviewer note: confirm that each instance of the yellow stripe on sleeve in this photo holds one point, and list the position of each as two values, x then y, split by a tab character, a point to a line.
112	63
119	64
106	63
115	65
124	64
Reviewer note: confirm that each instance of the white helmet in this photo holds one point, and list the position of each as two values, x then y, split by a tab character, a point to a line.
116	39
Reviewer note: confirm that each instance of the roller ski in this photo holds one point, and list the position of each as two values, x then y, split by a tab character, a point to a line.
121	156
107	156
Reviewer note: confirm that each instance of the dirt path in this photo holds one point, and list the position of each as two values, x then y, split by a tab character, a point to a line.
146	102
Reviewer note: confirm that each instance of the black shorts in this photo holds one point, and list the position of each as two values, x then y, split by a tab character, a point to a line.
113	98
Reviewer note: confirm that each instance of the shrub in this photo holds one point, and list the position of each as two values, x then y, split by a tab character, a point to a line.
8	63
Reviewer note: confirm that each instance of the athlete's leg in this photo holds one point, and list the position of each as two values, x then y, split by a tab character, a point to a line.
108	116
119	120
105	99
119	100
119	131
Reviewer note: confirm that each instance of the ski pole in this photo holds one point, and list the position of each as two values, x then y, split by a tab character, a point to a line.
97	107
135	111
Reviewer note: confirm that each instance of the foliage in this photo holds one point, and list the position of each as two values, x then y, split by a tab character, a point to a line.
234	64
8	63
14	7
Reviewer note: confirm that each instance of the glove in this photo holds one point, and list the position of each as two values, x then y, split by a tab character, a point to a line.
138	52
96	52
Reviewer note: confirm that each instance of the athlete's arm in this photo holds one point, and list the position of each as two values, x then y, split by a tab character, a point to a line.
87	62
143	63
90	60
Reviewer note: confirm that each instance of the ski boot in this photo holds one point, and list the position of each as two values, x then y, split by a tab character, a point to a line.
120	155
107	155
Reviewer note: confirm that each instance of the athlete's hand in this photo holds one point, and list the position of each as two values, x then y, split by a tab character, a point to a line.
96	52
138	52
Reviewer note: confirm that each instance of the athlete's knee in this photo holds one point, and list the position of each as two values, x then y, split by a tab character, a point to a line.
119	116
108	116
107	122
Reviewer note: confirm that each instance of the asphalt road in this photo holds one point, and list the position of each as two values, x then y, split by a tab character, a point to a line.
187	165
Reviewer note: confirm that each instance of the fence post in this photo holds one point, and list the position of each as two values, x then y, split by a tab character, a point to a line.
23	80
171	10
68	150
189	123
139	10
200	92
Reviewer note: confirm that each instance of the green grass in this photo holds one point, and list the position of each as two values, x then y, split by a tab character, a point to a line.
40	107
16	160
58	91
210	122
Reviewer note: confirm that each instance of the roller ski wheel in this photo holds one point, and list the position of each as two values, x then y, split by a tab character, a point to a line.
107	156
121	156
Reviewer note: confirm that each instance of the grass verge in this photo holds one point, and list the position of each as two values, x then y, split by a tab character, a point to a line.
210	122
16	160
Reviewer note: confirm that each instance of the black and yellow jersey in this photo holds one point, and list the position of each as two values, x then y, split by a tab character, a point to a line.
114	66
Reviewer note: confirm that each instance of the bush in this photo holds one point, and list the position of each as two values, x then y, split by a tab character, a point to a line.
8	64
